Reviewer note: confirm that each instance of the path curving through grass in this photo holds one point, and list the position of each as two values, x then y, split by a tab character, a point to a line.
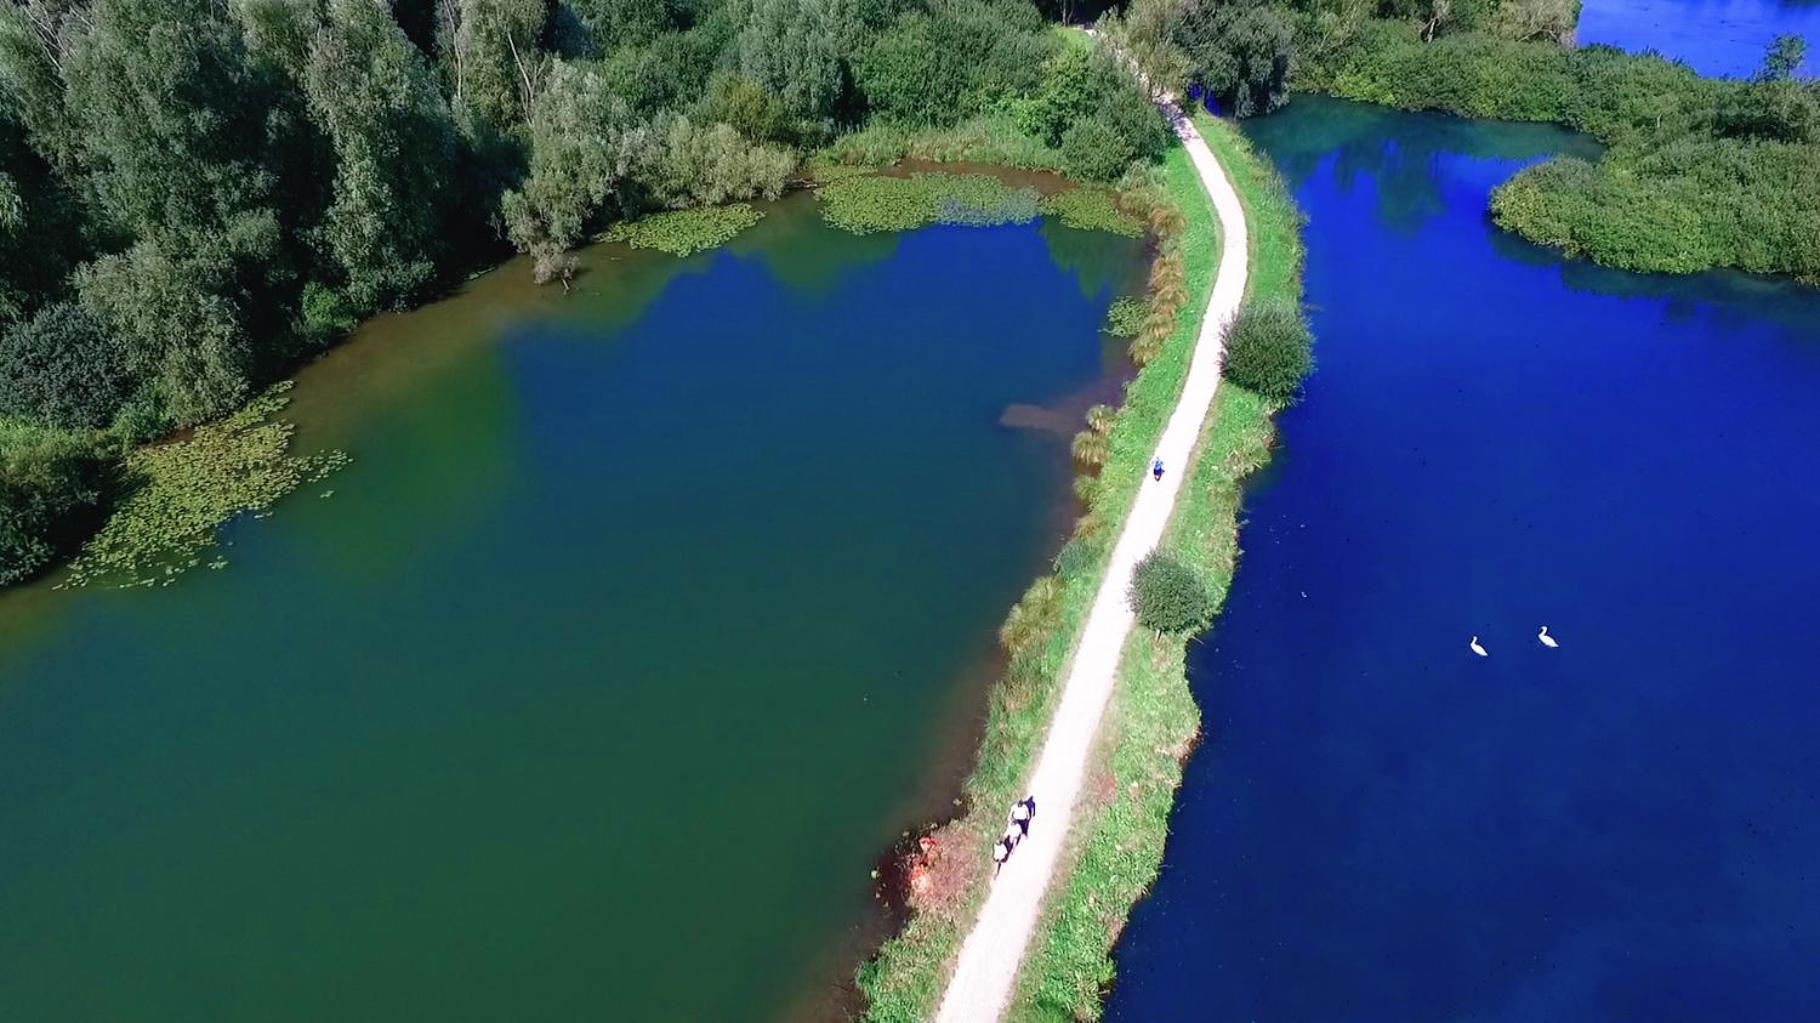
988	963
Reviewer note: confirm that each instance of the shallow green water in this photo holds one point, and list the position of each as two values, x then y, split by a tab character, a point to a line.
597	685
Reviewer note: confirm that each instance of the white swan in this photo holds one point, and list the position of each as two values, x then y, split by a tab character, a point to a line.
1547	640
1476	648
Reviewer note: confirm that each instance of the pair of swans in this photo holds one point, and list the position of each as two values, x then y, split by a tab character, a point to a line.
1543	636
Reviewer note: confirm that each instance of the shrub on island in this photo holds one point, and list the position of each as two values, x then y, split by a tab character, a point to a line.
1269	349
1168	596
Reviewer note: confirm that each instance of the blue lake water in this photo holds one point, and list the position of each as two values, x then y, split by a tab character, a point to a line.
614	660
1715	37
1381	826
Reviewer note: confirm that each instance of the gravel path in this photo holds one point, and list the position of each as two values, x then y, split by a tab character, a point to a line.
988	963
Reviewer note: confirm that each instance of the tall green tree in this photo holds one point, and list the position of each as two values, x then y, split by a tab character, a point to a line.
490	57
394	148
585	145
1239	51
34	49
63	368
178	314
172	118
797	49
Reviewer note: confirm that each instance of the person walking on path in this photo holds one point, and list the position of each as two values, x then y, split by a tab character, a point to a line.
1021	814
985	970
1156	470
1001	851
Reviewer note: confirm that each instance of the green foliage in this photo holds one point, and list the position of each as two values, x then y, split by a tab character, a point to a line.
54	485
179	324
1698	173
686	232
394	149
1152	720
1782	59
585	146
903	981
1091	209
1125	317
1167	595
953	62
325	314
1239	52
753	110
1093	151
61	367
492	64
712	164
1032	616
610	23
1269	349
220	188
795	48
867	204
185	490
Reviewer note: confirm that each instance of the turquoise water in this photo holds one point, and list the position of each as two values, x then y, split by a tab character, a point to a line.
621	650
1381	826
1715	37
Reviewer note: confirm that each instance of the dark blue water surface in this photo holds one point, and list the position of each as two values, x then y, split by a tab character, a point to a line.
1715	37
1381	826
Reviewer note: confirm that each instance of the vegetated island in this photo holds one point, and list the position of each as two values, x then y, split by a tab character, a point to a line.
1698	173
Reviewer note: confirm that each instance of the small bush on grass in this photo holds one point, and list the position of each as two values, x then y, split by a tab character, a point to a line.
1167	595
1269	349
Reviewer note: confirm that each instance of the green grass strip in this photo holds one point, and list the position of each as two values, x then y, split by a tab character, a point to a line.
904	981
1114	855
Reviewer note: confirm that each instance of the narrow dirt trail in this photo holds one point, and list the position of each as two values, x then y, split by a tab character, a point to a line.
988	963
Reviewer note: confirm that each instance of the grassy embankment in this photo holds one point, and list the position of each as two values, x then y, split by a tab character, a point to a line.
1152	709
1117	847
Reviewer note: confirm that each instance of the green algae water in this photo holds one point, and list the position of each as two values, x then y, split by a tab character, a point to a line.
596	684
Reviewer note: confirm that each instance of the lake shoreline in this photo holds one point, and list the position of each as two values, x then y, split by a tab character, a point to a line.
905	979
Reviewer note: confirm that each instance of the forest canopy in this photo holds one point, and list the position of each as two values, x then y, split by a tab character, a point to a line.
197	194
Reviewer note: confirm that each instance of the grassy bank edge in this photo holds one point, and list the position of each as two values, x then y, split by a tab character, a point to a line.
904	981
1115	852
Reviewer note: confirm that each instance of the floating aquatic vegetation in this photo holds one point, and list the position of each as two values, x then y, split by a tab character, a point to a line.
1125	317
686	232
1091	209
187	489
865	205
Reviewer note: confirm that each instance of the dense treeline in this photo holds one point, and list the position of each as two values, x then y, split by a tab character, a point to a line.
196	194
1698	172
1241	52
